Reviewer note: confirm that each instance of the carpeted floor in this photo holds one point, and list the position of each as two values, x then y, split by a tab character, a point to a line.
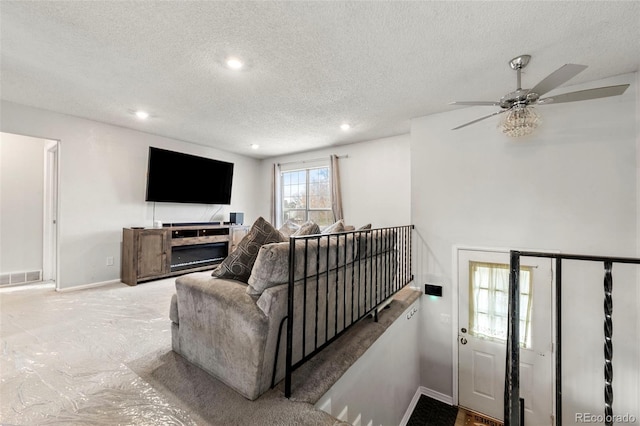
429	412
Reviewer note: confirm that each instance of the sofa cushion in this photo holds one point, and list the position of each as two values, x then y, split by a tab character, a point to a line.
307	228
336	227
288	228
376	241
238	264
272	265
271	268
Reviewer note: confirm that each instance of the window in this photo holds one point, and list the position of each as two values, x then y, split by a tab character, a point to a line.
489	300
306	195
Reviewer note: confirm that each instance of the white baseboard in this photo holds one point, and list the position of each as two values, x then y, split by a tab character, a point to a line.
411	407
86	286
437	395
416	397
27	287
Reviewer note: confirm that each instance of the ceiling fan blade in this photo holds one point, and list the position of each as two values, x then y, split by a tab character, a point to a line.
487	103
556	78
480	119
584	95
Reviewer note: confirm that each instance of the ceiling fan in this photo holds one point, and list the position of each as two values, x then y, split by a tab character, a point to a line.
521	117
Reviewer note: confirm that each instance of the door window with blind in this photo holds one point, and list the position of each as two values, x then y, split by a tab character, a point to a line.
489	299
306	195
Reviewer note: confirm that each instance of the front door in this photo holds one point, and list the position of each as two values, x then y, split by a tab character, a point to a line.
483	283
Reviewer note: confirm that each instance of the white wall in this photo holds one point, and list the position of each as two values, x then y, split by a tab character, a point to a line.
380	384
375	180
571	186
21	203
102	187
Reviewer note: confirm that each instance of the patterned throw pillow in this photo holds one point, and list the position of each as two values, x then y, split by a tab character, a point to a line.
336	227
307	228
238	265
288	228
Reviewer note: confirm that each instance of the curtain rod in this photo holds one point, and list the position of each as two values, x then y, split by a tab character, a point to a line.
313	160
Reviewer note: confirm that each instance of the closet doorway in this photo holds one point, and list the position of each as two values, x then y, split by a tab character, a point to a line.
29	204
50	217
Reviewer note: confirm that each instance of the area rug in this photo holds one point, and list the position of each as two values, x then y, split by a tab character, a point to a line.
210	402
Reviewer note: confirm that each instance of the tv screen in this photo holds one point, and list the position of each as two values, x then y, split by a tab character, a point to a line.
175	177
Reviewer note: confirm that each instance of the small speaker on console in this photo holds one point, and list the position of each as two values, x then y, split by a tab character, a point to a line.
237	218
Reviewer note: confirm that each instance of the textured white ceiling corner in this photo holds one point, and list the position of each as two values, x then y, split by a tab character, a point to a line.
310	65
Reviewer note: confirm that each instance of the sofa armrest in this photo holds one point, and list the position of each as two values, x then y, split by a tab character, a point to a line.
221	330
173	309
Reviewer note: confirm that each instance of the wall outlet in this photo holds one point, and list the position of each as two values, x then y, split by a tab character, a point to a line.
109	260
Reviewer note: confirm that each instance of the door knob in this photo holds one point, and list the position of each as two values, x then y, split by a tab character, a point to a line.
463	340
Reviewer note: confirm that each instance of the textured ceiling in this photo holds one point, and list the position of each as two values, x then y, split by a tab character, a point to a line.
310	65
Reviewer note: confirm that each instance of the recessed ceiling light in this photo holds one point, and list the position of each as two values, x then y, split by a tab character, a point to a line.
345	126
255	146
234	63
142	115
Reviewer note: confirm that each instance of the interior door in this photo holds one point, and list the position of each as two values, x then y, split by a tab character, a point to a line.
483	282
50	225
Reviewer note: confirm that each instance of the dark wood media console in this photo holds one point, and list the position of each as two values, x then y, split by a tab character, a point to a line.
153	253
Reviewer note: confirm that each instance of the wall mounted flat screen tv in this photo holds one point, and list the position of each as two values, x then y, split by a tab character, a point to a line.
175	177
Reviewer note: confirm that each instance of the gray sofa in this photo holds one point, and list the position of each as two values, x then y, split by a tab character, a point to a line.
230	328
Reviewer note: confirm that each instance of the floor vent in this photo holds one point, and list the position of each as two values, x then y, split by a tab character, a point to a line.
18	278
12	278
33	276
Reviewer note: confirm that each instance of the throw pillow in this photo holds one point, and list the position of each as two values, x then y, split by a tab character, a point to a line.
365	241
237	266
307	228
336	227
288	228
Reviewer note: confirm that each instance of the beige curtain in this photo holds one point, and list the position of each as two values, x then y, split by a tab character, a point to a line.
275	179
336	195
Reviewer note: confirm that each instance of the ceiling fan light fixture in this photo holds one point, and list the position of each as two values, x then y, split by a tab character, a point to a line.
519	121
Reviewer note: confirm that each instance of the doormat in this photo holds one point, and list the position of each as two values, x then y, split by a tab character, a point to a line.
474	419
430	412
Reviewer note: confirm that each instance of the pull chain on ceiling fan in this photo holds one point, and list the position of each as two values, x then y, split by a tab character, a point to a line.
521	117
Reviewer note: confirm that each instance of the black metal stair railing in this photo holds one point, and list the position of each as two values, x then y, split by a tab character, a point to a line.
336	280
513	404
